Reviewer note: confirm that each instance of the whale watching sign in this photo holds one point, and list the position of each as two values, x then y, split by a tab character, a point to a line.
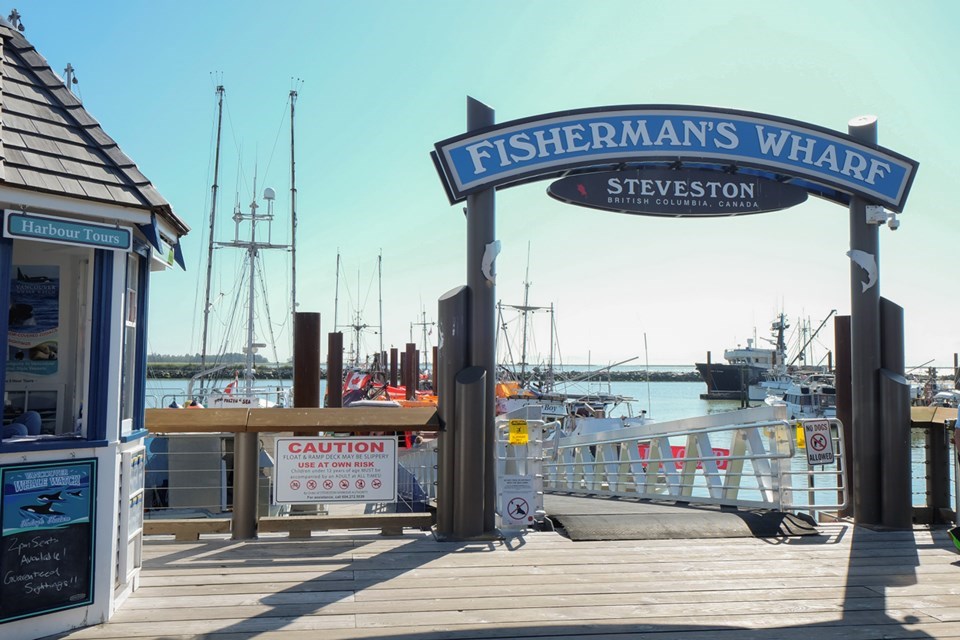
826	163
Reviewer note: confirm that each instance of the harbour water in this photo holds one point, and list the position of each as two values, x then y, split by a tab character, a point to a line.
661	400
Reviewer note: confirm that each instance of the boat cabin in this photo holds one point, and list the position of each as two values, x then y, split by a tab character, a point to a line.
83	232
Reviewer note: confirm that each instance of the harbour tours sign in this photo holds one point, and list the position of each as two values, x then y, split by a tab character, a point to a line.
33	226
678	193
825	163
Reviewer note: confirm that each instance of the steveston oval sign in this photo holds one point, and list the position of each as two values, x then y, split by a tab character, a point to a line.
825	163
679	193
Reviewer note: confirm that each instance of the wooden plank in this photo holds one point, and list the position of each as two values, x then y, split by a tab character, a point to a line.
187	528
195	420
390	524
361	420
344	420
937	415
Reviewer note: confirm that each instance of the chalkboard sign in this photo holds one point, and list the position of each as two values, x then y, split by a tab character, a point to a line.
48	541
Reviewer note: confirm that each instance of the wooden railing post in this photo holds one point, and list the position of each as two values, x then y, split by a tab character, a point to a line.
245	458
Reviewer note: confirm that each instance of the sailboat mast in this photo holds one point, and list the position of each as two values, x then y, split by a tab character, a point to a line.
526	313
252	257
293	216
380	295
213	214
549	385
336	293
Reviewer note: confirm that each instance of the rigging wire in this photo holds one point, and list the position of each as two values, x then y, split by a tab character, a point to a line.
280	128
263	292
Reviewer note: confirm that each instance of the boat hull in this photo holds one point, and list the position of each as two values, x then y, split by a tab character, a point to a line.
728	378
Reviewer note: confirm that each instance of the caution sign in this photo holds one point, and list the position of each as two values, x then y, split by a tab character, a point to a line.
517	502
819	442
311	470
519	433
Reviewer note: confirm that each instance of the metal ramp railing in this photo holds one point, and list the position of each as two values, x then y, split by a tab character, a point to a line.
742	458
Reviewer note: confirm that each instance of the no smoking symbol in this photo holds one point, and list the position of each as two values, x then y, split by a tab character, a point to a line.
818	442
375	483
311	484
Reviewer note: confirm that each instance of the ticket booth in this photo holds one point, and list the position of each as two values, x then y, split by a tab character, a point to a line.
83	231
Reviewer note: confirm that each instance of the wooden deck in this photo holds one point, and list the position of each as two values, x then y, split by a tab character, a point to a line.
846	583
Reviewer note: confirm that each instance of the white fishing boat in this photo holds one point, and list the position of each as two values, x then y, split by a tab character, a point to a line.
812	397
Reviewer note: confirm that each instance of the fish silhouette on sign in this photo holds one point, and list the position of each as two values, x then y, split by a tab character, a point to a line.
45	509
867	262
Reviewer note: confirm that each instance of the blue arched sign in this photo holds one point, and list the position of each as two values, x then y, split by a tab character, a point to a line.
825	163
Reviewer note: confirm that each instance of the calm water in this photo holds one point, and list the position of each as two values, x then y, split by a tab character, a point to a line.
662	400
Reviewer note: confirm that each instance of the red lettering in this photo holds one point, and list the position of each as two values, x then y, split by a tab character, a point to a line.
339	447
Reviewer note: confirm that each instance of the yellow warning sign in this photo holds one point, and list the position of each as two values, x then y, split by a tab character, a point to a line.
519	434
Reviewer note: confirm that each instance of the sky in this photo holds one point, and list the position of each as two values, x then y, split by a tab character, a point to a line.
380	82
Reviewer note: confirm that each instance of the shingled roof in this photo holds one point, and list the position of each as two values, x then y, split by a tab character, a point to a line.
52	145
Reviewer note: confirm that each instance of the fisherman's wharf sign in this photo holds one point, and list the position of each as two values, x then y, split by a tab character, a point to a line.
826	163
676	192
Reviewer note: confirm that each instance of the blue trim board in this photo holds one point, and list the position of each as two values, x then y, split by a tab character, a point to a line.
102	306
6	271
139	434
143	296
151	232
67	442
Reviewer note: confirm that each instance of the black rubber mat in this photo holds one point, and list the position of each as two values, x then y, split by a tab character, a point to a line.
612	519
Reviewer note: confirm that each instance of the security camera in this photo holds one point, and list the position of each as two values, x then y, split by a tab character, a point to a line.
893	222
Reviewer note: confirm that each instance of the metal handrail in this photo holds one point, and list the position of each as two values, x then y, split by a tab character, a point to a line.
740	459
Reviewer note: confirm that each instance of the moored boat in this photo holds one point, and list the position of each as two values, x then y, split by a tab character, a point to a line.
744	367
812	397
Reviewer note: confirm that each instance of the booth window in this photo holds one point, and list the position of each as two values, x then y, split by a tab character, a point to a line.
133	382
48	289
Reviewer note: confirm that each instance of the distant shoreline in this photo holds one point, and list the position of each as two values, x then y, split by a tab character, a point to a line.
185	371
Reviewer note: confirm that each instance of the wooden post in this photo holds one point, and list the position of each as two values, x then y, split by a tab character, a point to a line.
411	371
306	383
841	333
306	365
393	366
335	369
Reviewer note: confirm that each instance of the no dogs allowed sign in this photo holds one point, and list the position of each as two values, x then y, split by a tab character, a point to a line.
335	470
819	442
